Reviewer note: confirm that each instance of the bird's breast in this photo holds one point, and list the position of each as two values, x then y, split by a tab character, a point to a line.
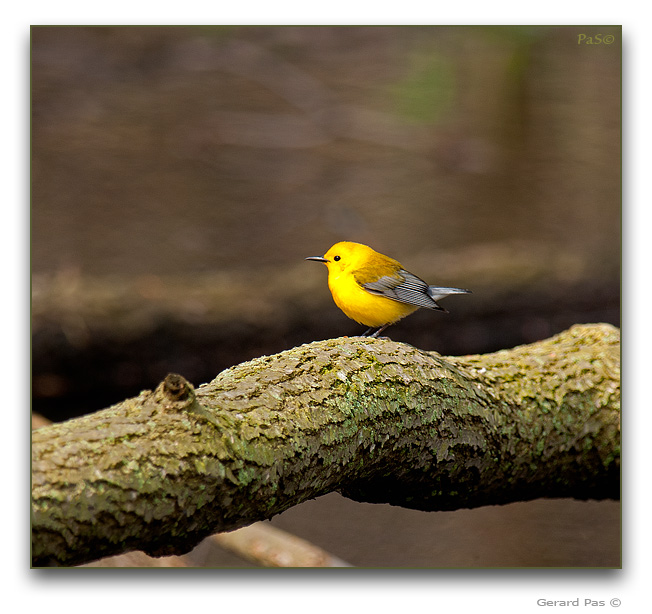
364	307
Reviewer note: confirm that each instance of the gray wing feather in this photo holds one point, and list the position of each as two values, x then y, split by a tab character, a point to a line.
406	289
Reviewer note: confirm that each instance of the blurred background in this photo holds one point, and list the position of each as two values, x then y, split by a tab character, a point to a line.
180	176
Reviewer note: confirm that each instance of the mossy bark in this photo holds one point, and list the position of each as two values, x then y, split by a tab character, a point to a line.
376	420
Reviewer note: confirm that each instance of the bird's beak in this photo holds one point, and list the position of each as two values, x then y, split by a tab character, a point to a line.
317	259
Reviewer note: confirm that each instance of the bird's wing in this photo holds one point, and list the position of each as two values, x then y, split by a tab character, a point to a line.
404	287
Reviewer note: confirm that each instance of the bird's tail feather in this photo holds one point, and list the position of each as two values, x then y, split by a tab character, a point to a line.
437	292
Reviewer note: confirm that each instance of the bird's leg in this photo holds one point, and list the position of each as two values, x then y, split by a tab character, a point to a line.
380	330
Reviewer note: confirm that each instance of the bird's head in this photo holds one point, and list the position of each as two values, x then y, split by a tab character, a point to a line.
345	256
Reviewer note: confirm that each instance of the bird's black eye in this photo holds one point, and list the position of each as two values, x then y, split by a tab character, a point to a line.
336	258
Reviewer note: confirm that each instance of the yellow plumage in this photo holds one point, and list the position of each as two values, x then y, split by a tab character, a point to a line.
374	289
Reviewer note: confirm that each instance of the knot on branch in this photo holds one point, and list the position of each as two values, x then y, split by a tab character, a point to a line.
177	387
175	392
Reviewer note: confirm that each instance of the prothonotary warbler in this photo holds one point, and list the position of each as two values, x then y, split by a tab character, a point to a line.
375	290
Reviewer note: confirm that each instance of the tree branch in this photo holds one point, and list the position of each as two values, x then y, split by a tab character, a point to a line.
266	545
376	420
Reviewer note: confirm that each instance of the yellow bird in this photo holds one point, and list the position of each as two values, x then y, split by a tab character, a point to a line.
375	290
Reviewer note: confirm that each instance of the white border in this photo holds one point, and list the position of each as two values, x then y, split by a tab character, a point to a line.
278	591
